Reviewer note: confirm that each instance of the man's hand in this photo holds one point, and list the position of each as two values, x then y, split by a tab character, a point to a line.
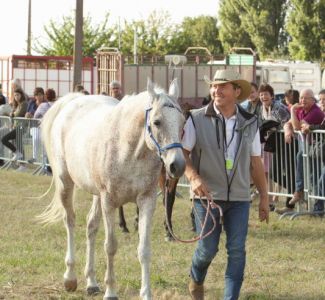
199	188
28	115
288	133
295	107
264	209
305	127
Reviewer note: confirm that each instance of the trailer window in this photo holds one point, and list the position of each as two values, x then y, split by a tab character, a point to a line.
304	71
279	76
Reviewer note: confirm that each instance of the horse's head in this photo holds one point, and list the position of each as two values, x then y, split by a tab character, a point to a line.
164	126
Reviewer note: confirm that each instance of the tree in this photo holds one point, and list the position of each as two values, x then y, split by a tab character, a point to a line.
153	34
307	29
264	21
61	37
258	24
200	31
231	30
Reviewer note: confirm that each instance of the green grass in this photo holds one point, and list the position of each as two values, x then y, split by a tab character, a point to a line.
285	259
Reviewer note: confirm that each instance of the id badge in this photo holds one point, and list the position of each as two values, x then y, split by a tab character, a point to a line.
229	164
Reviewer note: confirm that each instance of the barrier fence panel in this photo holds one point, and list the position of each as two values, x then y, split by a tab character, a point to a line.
304	155
27	141
5	128
315	166
281	172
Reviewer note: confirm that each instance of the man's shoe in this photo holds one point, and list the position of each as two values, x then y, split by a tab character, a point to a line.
297	197
196	290
283	210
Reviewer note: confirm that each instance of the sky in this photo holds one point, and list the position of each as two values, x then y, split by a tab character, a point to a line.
14	15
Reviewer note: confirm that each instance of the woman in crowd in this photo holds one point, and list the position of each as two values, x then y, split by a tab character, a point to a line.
42	108
273	116
19	105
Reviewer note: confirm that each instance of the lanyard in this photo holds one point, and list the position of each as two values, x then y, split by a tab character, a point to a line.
225	134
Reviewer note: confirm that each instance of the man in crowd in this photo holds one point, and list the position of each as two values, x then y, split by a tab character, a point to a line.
116	89
306	111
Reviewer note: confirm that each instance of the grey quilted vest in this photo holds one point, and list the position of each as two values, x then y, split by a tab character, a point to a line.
208	154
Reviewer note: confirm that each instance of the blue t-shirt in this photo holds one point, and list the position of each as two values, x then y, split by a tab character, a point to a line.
31	106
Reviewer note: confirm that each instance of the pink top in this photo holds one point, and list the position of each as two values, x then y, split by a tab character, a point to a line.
314	116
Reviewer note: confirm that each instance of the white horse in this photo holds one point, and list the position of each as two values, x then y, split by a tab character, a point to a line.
115	151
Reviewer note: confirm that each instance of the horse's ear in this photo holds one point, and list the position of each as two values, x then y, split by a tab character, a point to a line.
151	90
174	90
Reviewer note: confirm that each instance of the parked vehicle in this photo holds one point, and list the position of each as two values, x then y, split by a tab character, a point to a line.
276	75
283	75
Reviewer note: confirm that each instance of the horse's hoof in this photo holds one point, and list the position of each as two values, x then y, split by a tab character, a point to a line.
70	285
93	290
125	230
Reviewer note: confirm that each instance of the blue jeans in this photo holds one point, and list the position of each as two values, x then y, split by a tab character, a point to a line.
314	165
236	215
299	171
319	204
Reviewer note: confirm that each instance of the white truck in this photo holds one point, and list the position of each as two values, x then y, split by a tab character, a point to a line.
283	75
275	74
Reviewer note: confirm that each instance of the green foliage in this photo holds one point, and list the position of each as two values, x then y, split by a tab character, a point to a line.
201	31
264	21
61	37
307	29
254	23
153	34
232	31
273	28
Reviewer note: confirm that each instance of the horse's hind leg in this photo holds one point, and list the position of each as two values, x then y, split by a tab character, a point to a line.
92	228
64	190
110	246
122	222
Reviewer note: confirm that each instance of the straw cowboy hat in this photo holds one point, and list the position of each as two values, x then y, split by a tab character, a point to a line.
224	76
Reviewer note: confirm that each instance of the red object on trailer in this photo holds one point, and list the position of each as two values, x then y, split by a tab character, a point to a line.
44	71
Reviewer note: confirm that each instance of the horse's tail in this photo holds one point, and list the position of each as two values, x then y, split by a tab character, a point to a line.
55	211
45	194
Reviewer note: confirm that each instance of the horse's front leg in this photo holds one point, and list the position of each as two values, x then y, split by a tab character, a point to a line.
93	221
110	246
146	210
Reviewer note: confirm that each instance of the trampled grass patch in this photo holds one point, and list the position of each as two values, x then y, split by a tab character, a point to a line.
285	259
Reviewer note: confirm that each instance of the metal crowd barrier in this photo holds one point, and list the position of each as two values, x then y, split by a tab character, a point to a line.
283	169
27	142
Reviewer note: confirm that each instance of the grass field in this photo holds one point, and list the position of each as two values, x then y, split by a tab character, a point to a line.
285	259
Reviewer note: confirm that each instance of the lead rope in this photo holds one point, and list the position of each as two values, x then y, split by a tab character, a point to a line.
210	205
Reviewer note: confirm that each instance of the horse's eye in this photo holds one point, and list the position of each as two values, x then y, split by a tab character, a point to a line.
156	123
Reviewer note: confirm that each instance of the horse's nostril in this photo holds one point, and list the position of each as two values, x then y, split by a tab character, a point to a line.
172	168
